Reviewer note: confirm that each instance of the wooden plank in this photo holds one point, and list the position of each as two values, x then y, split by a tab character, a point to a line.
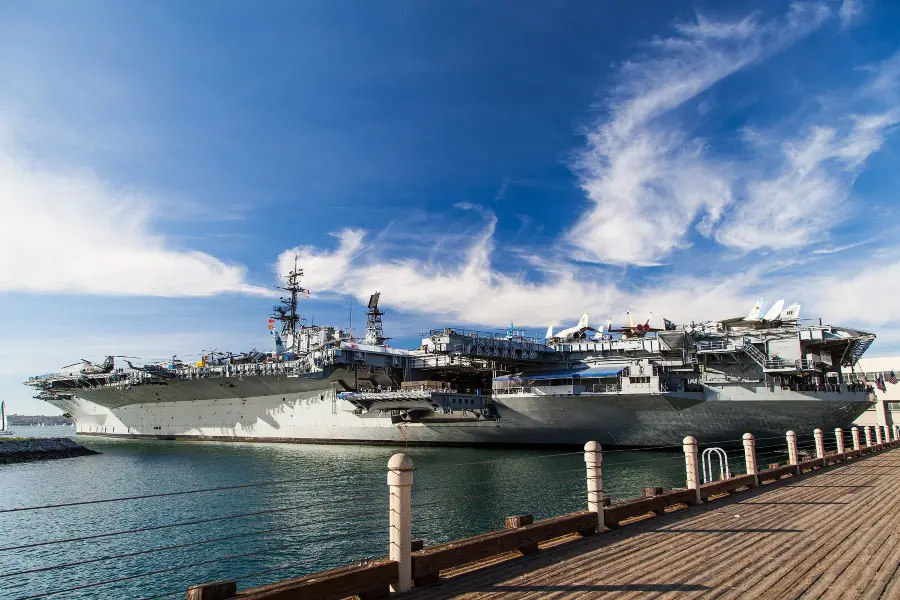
809	465
777	473
516	521
371	580
214	590
430	561
614	514
726	486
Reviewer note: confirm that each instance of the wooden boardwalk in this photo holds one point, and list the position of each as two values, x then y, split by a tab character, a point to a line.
835	534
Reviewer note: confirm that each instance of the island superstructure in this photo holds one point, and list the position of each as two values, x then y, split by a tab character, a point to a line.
633	385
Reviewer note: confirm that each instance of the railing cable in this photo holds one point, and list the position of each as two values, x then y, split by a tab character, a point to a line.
267	511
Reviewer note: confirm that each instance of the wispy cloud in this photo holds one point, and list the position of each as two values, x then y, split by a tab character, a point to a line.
71	231
851	12
805	197
651	184
648	181
322	268
836	249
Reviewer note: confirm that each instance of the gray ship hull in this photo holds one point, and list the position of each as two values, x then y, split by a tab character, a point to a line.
320	416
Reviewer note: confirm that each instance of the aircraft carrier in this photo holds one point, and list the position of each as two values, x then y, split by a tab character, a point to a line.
633	385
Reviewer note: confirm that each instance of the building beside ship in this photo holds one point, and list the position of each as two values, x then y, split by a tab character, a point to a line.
883	374
636	384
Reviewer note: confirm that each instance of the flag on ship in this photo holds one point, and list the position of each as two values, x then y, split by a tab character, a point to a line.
879	383
892	378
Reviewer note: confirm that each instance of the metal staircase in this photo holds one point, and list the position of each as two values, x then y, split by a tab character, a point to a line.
754	353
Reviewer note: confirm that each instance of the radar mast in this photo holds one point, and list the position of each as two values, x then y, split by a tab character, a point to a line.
374	330
286	311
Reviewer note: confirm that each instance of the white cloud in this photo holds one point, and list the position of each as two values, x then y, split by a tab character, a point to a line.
648	181
864	293
71	231
836	249
473	291
806	196
322	267
651	183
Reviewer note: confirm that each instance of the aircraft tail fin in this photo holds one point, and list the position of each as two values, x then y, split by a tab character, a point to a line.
775	311
630	320
549	333
791	313
583	322
757	308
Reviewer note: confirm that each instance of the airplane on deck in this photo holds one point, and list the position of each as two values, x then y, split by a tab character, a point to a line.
776	315
572	334
633	330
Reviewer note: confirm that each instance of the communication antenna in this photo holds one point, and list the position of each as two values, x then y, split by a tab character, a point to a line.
286	312
374	330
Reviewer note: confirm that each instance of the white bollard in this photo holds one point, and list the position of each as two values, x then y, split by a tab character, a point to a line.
854	432
820	443
692	466
839	438
400	480
868	433
793	455
878	439
593	460
750	457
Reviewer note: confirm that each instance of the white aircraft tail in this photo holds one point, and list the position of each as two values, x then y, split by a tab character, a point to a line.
584	321
647	324
549	333
630	320
754	312
791	313
775	311
608	324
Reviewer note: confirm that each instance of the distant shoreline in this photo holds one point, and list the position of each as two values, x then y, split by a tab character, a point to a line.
38	420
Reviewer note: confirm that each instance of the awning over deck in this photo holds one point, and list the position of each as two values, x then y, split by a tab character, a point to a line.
593	372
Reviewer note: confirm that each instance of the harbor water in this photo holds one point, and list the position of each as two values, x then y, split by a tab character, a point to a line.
321	507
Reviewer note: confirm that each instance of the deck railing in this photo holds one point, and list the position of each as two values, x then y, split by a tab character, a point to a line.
410	563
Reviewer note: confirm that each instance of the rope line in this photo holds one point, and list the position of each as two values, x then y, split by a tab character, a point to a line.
167	494
176	546
267	511
187	566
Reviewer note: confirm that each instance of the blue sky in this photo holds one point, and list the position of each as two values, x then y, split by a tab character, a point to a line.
476	162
